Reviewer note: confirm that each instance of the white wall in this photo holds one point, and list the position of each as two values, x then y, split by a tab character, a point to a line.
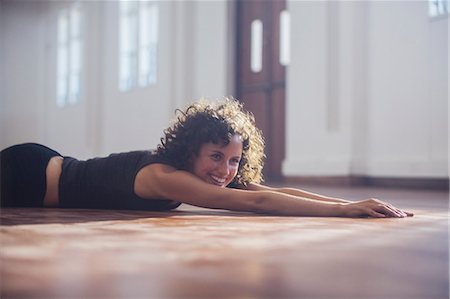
367	90
22	80
2	78
211	49
106	120
367	87
405	99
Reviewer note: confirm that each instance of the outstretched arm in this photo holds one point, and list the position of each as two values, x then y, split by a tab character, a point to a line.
358	208
296	192
160	181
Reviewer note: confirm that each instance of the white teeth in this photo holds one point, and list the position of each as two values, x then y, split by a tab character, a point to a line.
218	180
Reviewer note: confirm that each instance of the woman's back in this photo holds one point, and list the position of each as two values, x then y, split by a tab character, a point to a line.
107	182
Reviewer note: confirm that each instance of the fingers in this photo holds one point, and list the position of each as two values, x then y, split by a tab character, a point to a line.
387	210
375	208
398	212
409	214
391	211
376	214
402	213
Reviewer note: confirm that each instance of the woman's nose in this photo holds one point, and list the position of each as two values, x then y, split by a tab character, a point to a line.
224	169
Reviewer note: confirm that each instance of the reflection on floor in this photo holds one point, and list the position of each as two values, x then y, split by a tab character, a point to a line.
199	253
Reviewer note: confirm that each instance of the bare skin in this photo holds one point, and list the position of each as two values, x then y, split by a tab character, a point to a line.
204	185
53	172
217	163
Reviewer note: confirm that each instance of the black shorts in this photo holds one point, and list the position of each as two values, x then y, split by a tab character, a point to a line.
23	174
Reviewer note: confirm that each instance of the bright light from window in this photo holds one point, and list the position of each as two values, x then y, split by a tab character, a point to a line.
148	42
285	38
256	46
69	57
138	43
438	7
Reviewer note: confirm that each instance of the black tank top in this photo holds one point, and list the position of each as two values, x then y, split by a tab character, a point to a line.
108	183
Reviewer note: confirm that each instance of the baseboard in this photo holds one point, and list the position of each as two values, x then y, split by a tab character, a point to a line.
410	183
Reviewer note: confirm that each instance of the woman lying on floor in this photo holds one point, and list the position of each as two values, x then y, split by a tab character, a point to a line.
211	156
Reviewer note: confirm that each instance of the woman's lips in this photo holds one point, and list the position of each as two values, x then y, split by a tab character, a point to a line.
218	180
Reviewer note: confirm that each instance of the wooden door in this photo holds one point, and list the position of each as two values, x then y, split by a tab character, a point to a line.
261	82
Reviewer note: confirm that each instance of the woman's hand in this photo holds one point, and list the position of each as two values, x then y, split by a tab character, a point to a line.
374	208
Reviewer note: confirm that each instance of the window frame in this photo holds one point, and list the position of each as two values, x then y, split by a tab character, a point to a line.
438	3
135	46
69	53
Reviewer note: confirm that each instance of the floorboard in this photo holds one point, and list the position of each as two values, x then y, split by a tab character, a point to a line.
200	253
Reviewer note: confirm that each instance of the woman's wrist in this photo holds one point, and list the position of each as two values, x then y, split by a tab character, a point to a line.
341	209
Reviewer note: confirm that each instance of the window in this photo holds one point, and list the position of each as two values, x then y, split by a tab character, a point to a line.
285	32
138	44
256	46
69	56
438	7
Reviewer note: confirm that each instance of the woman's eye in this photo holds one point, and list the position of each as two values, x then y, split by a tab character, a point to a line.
235	161
215	157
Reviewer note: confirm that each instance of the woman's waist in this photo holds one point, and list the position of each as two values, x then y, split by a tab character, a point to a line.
53	173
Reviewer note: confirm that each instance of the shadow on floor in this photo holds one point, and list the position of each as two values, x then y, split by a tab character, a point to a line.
27	216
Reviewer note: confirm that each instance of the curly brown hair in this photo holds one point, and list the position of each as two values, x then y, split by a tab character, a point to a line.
203	122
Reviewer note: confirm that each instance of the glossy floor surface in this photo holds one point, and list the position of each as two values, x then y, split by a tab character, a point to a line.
199	253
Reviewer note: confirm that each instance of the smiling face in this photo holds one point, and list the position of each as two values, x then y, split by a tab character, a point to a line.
218	164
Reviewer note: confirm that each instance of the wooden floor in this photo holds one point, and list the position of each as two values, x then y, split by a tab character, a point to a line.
198	253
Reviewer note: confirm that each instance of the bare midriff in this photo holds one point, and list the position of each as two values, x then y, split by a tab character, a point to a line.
53	172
